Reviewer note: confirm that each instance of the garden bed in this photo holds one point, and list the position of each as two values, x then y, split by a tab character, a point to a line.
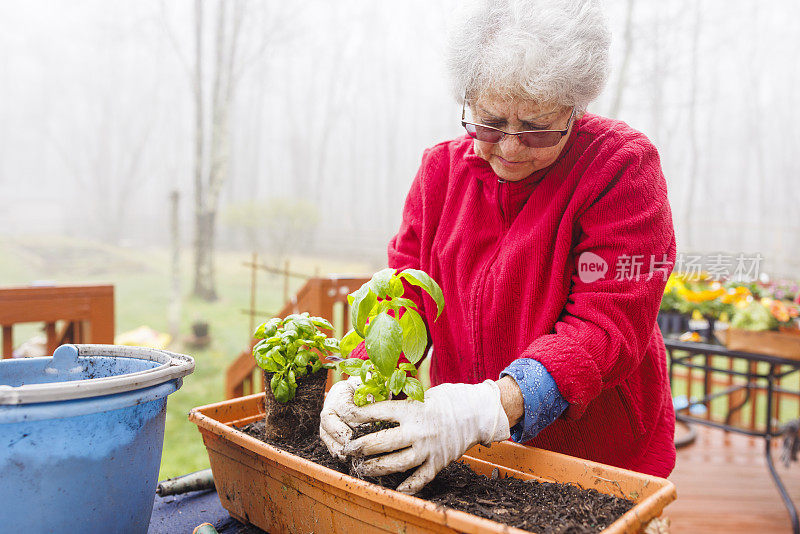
282	492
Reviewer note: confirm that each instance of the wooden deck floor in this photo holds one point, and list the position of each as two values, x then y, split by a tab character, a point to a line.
724	486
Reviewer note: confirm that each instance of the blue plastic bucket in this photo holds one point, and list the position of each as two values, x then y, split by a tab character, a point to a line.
81	436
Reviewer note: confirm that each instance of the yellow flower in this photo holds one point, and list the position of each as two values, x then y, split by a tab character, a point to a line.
705	295
673	282
735	295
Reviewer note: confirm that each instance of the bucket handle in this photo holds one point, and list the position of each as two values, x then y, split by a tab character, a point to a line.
172	366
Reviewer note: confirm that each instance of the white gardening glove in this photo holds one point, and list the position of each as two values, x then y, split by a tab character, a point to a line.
333	432
453	418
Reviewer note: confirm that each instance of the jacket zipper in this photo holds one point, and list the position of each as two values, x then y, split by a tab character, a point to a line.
478	300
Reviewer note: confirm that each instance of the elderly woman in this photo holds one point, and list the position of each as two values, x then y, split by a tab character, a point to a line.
550	232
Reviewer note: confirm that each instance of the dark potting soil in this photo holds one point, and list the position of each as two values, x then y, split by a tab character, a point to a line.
542	507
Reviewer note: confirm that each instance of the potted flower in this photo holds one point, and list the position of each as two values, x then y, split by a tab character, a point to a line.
765	326
785	313
289	353
671	317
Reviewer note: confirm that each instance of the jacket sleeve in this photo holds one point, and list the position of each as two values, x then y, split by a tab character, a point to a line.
542	402
607	323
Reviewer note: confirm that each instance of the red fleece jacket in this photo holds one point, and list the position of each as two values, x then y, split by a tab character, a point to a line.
507	256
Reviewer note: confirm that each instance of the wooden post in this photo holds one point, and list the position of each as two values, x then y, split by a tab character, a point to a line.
286	281
52	337
8	341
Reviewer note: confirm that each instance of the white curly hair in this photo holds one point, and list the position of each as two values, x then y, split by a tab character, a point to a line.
553	51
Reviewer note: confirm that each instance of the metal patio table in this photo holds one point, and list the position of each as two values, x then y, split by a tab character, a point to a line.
680	355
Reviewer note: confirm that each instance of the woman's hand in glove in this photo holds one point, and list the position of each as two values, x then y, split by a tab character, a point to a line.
453	418
334	432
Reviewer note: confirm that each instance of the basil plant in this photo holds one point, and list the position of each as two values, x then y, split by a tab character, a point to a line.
290	348
386	336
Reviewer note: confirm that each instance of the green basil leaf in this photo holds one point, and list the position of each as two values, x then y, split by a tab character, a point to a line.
384	305
301	371
366	367
378	392
371	389
359	397
305	327
279	358
260	332
265	359
266	363
397	381
330	344
396	287
261	347
316	365
349	342
407	367
287	337
302	358
351	366
321	322
273	383
406	303
272	326
281	391
415	336
413	389
363	302
291	378
384	343
381	282
423	280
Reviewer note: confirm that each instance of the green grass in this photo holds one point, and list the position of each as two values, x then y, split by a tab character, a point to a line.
141	279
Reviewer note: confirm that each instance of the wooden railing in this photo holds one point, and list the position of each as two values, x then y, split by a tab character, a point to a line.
321	297
85	314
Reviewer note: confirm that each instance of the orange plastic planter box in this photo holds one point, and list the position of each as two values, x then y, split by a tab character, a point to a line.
280	492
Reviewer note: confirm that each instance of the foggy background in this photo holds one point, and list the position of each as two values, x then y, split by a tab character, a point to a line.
330	105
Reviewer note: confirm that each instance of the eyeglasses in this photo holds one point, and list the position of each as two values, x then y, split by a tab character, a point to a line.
530	138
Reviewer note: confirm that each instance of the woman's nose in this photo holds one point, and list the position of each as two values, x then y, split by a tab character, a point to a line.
511	144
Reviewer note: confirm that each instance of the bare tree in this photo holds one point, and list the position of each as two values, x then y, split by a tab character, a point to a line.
211	167
218	62
622	78
694	141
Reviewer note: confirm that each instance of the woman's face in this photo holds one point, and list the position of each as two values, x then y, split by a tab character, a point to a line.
511	160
